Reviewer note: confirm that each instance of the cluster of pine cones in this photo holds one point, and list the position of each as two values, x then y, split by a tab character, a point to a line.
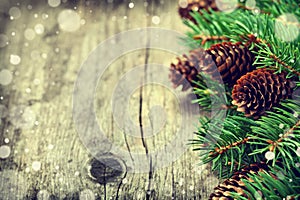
254	90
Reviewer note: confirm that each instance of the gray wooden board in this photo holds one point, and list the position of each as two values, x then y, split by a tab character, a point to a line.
48	160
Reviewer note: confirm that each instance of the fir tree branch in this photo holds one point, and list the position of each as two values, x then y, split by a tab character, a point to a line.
269	133
244	7
275	144
289	68
278	7
223	149
237	141
253	39
224	143
274	183
205	38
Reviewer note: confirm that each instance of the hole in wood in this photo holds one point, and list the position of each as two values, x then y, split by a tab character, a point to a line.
106	169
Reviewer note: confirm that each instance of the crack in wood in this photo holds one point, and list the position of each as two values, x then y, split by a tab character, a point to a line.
120	184
141	121
128	147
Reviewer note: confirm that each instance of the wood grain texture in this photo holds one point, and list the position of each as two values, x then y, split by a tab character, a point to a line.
48	160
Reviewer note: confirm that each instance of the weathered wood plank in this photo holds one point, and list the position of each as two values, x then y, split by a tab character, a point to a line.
48	159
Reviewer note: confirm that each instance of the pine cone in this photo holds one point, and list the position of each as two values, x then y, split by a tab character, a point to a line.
185	70
235	183
231	61
187	6
260	90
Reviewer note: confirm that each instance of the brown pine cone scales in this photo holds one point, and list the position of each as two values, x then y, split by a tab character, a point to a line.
232	61
235	183
226	60
185	70
187	6
260	90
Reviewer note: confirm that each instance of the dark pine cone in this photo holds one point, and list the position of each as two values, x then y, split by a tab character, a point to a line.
187	6
235	183
185	70
260	90
231	61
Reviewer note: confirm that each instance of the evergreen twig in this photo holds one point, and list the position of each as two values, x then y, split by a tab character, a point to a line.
234	141
275	144
205	38
276	59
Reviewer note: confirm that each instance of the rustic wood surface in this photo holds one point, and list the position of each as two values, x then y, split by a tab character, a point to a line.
42	156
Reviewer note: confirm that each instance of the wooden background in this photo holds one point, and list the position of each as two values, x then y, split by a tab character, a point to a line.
41	154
